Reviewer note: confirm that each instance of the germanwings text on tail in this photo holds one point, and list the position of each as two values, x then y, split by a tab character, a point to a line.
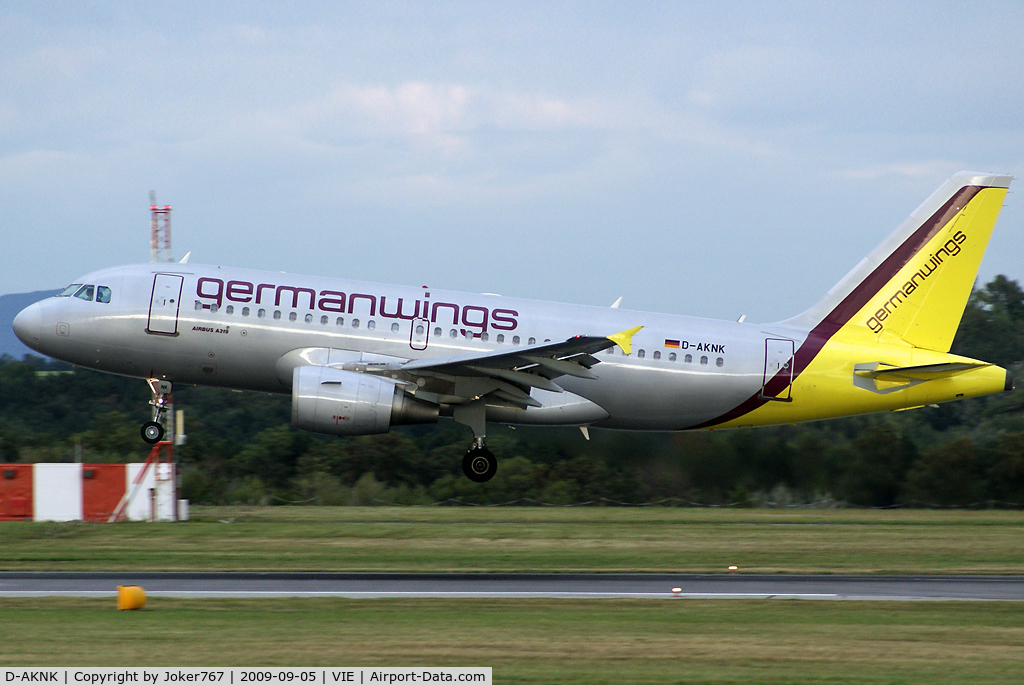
358	358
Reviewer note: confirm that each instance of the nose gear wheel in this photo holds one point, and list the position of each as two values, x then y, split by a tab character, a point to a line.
152	432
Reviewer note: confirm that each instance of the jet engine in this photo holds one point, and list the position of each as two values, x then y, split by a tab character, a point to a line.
336	402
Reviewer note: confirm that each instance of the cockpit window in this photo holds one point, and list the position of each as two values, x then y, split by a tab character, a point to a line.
85	292
70	290
102	294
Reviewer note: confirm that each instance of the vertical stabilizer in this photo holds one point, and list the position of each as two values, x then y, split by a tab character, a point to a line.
915	285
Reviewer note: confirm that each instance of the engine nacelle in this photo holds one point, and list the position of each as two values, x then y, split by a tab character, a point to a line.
328	400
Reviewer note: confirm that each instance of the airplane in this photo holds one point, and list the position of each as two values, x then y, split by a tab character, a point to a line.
359	358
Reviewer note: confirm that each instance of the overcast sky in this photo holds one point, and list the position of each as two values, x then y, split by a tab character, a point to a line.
708	159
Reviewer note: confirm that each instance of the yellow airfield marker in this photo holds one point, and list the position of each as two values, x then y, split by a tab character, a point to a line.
130	597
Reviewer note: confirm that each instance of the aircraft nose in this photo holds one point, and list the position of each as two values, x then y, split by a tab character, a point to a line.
27	325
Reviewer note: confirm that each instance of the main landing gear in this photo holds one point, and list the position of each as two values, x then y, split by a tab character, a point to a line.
153	431
479	464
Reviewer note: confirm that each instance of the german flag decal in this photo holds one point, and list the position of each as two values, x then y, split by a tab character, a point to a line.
672	343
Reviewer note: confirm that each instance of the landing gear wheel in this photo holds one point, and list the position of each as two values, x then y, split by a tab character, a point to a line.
479	465
152	432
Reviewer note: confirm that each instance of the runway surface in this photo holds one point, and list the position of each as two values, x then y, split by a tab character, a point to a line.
495	585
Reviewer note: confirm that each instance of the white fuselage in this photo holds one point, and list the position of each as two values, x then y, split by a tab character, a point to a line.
231	327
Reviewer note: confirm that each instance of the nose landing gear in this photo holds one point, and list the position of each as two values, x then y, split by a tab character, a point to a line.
153	431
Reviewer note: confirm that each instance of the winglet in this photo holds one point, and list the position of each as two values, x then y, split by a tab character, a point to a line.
625	339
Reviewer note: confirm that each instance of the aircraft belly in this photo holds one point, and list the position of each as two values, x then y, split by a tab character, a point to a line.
655	399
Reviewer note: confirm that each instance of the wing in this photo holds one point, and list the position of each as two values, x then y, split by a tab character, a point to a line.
509	375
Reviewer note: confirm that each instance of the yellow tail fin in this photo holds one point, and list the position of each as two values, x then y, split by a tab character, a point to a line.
915	285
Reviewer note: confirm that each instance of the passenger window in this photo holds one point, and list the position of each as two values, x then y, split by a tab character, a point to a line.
277	314
245	311
230	309
355	323
371	324
719	362
340	321
688	358
419	329
102	294
213	308
641	354
70	290
292	316
262	313
394	328
308	318
85	293
532	341
437	332
199	305
484	337
452	333
703	361
657	355
501	338
323	320
515	339
671	356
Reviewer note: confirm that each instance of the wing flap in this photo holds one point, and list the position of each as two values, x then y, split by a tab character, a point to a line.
530	380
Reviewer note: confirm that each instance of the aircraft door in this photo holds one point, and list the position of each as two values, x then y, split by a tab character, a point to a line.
777	383
420	334
163	305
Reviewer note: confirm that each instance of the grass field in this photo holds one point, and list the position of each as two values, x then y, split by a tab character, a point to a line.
425	539
535	641
539	641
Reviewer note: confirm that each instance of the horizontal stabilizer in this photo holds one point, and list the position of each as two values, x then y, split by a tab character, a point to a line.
926	372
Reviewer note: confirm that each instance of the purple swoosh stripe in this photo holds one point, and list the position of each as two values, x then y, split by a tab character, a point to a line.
853	303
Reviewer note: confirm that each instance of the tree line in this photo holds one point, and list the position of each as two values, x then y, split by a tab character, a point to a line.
242	449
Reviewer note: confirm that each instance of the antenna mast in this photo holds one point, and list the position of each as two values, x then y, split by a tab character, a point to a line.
160	229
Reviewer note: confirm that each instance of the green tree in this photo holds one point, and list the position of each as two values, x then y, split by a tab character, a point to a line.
992	327
947	475
874	466
1005	473
272	456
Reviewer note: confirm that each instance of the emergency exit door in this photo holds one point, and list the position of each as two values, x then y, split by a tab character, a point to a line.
420	334
164	303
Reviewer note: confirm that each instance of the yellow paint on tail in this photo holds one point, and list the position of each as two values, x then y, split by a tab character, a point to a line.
923	303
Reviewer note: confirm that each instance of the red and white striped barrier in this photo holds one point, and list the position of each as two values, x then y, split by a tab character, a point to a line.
88	492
